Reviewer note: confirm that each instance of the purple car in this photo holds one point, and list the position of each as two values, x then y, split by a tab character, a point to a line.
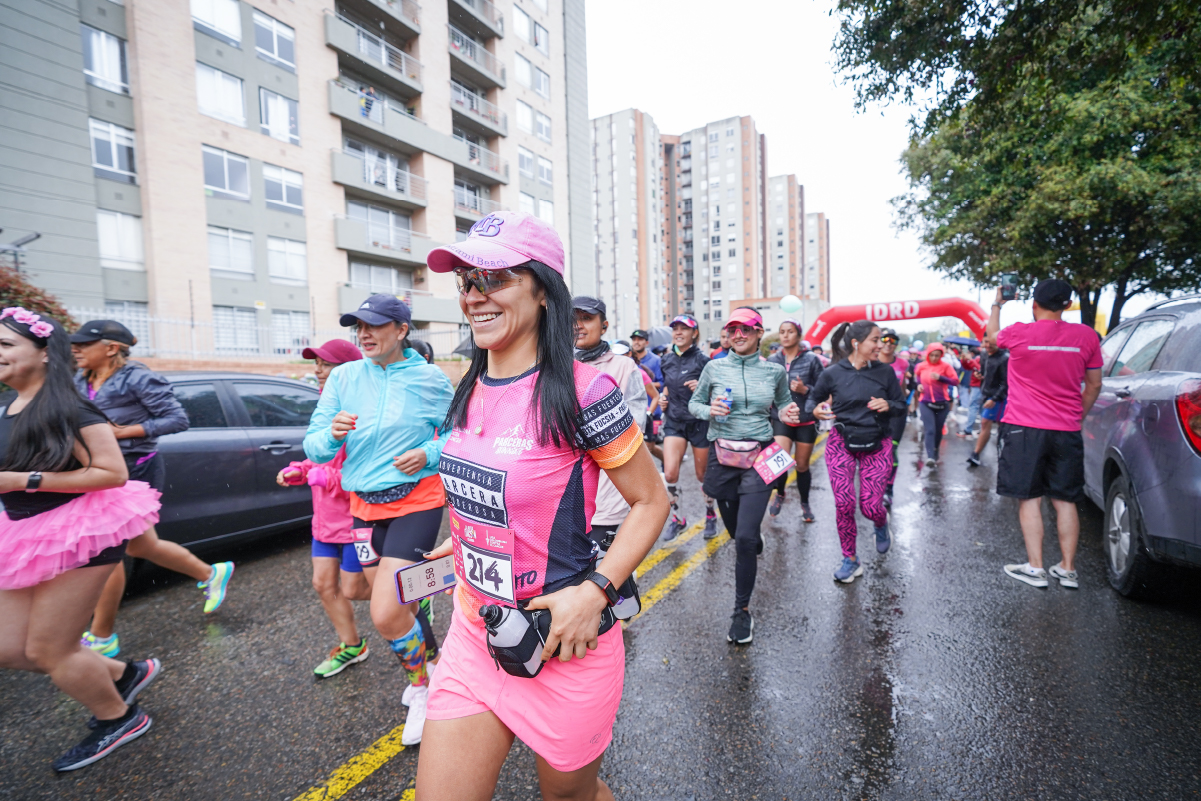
1142	445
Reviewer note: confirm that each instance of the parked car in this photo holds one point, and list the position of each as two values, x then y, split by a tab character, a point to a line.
221	472
1142	444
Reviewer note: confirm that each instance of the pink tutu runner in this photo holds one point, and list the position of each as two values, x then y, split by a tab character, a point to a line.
41	547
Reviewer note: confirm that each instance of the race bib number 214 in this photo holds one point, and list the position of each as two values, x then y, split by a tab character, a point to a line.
484	558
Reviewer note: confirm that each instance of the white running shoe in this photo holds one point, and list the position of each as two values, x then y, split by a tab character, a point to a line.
407	696
1067	578
415	721
1034	576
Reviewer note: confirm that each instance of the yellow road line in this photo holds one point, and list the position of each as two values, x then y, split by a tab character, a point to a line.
655	557
356	769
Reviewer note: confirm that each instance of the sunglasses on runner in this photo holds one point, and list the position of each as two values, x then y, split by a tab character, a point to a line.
744	330
889	339
485	281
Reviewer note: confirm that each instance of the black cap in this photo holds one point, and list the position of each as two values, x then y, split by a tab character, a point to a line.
640	334
659	350
589	304
1053	294
104	329
377	310
888	332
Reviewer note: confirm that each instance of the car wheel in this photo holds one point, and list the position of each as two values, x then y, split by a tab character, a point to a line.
1130	568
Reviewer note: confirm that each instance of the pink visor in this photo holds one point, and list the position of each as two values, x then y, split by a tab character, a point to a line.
744	316
499	241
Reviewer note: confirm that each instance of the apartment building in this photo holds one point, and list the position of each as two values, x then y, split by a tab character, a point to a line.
785	236
237	174
627	205
817	257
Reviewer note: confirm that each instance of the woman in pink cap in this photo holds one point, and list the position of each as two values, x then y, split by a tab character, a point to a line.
529	431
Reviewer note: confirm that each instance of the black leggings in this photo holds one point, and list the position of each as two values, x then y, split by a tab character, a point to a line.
742	517
933	420
896	432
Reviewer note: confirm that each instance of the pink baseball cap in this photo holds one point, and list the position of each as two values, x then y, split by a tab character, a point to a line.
336	351
684	319
745	316
501	240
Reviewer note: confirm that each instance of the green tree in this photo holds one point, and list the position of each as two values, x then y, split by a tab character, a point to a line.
16	291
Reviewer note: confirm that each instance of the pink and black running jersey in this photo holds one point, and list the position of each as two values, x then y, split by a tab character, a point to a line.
501	479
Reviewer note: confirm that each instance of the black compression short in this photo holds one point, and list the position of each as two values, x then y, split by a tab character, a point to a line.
406	538
806	434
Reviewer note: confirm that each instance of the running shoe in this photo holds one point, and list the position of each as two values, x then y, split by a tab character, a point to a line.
407	696
144	673
105	646
848	570
1034	576
930	461
415	720
104	739
342	657
675	527
973	460
710	526
214	588
883	541
807	513
426	607
742	627
1067	578
776	503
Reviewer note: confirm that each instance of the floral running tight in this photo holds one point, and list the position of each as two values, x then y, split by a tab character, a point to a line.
875	469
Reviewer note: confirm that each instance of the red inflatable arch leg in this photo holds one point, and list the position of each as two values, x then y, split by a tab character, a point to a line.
969	311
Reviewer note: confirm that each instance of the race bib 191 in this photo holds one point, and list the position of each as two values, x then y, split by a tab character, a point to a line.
773	462
484	558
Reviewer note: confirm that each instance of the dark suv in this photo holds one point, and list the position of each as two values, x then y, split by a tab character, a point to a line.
1142	444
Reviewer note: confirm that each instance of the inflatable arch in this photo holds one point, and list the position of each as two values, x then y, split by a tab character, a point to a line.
969	311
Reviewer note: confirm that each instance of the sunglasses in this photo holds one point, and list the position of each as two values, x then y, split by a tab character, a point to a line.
744	330
888	339
485	281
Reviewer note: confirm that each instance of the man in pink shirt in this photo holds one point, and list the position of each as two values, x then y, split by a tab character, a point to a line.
1054	378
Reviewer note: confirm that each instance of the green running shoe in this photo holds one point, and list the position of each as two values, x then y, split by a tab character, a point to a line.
426	608
214	588
342	657
105	646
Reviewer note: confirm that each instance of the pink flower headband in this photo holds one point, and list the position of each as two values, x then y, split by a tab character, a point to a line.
37	326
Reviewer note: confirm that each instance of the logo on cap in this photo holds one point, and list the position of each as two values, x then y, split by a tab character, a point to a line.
366	305
489	226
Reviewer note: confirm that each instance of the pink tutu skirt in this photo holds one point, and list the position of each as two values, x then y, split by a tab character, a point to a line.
41	547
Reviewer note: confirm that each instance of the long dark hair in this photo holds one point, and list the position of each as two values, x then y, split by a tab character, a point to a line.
840	340
44	434
554	388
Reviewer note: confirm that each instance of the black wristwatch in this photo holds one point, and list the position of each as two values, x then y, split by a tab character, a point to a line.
34	482
606	587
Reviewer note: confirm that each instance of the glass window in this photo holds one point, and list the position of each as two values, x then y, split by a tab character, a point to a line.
112	151
272	405
222	17
524	70
274	41
135	316
542	39
521	24
235	328
545	171
1142	347
286	260
104	60
546	211
1110	347
231	251
385	228
1182	352
278	117
541	83
283	188
542	4
226	174
542	126
525	116
291	332
120	240
526	203
525	161
220	94
379	278
201	404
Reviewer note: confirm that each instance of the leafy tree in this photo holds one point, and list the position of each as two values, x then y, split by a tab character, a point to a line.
16	291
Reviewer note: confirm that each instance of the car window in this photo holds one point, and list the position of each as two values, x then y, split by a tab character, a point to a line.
1110	347
1182	351
277	404
1142	347
202	405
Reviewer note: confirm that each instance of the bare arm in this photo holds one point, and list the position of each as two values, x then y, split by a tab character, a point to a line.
1092	388
994	318
104	469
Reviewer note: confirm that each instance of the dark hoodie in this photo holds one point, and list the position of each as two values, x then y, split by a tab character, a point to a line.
850	390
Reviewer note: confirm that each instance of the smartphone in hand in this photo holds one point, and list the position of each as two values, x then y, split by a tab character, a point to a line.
424	579
1009	286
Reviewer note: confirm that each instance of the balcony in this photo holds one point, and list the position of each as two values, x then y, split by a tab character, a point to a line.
426	306
481	162
478	17
470	58
391	244
470	206
402	15
389	66
379	178
473	111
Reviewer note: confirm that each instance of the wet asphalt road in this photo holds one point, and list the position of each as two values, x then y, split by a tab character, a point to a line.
933	676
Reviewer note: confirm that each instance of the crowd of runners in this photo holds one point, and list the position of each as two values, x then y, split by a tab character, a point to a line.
543	459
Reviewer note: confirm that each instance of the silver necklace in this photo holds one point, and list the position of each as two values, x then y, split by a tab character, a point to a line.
479	426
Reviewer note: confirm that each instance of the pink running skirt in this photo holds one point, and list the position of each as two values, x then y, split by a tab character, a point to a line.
41	547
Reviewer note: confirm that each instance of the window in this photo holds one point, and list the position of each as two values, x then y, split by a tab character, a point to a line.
286	260
525	116
525	203
201	404
715	240
542	4
283	188
733	252
468	196
220	17
544	171
112	151
235	328
220	95
274	41
542	39
291	332
521	24
713	137
385	228
541	83
231	251
120	240
546	212
276	405
378	278
133	315
226	174
278	117
1142	347
104	60
542	126
1110	347
524	70
525	161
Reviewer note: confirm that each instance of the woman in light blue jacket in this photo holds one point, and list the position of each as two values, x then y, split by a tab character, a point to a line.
387	410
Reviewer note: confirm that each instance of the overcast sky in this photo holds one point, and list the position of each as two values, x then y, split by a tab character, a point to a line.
690	63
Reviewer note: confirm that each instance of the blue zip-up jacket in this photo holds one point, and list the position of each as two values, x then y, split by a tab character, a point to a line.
400	407
136	394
